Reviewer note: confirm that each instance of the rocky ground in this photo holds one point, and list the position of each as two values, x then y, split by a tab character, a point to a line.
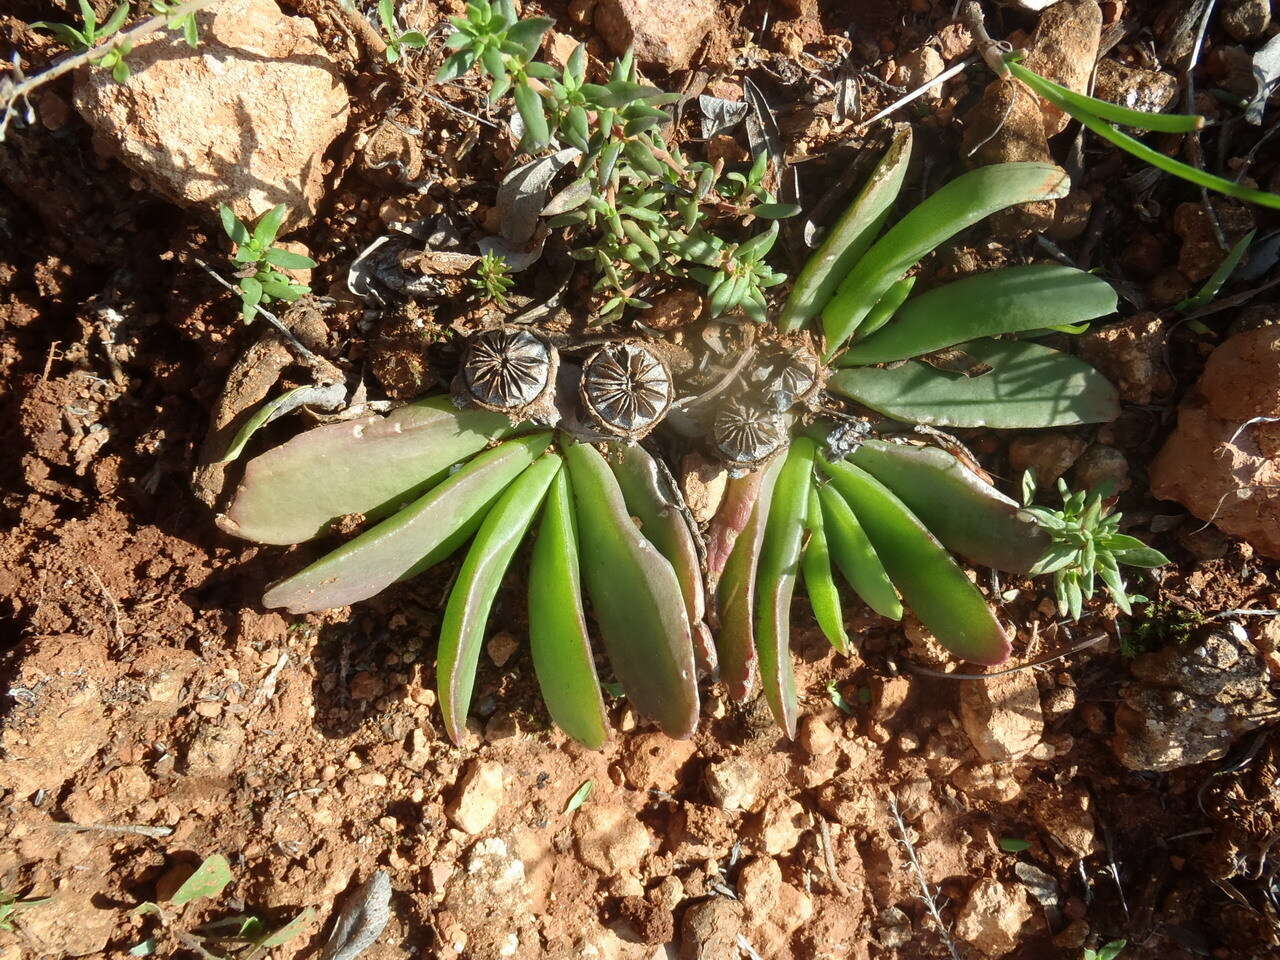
152	713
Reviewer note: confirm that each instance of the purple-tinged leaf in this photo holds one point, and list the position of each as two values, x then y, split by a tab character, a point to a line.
636	598
420	535
732	516
467	613
370	466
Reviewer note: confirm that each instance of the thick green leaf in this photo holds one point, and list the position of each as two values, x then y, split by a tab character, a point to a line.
856	557
779	563
966	513
735	589
887	306
209	879
467	613
652	502
849	238
557	627
824	597
529	103
636	598
294	491
1030	386
1012	300
932	584
433	526
960	204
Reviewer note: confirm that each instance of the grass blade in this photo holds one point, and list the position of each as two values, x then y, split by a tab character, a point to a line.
1029	387
961	203
856	557
1012	300
1140	150
1070	102
818	582
293	492
736	588
932	584
467	613
636	599
1205	295
849	238
969	516
558	637
433	526
652	502
779	563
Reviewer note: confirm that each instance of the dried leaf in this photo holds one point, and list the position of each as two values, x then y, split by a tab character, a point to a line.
208	881
720	115
362	919
1266	73
579	796
523	194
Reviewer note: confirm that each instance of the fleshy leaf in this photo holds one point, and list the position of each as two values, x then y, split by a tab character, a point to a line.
966	513
558	638
849	238
467	613
209	879
776	579
961	203
1012	300
824	597
736	588
933	585
293	492
432	527
651	501
636	598
856	557
1030	387
732	516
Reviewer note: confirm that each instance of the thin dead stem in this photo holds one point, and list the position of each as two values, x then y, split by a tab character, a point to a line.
927	894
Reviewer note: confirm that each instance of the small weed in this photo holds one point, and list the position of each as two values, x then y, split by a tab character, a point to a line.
1086	546
1163	624
259	263
397	39
90	35
184	23
1107	952
491	281
11	906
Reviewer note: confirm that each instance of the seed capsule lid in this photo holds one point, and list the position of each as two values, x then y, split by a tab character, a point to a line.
786	374
625	389
509	370
746	435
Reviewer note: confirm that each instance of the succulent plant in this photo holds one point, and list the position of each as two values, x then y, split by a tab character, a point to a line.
813	421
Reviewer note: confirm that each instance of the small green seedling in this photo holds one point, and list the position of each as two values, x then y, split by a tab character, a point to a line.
491	281
1107	952
259	264
246	936
1086	546
184	23
91	35
11	907
397	39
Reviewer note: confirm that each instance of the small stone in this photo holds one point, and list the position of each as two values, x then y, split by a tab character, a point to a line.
1102	467
210	709
1047	455
709	930
664	33
653	761
214	749
703	482
1246	19
126	786
1063	49
893	928
501	647
918	68
732	784
672	309
990	782
780	825
1148	91
1067	818
759	885
1071	216
1001	715
419	751
1058	702
243	120
915	798
610	839
366	686
478	797
815	736
1131	354
992	917
1073	935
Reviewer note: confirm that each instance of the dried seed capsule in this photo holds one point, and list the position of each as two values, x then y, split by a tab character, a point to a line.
785	375
746	435
509	370
626	389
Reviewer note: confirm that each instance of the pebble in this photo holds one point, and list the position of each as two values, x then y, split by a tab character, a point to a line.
501	647
663	33
610	839
1001	716
709	930
1246	19
478	797
992	917
1047	455
653	761
732	784
816	737
780	825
